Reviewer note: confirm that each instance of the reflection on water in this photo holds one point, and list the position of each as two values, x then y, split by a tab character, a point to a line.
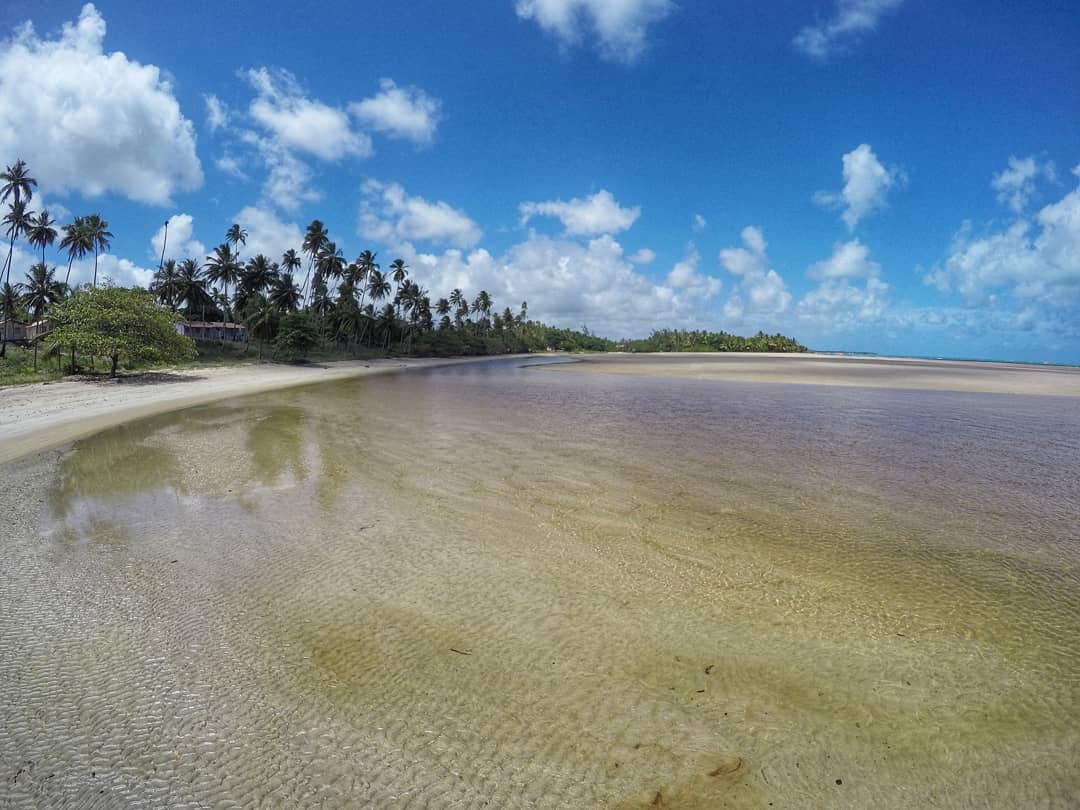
488	583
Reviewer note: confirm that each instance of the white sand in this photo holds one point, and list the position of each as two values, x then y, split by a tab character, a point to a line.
42	415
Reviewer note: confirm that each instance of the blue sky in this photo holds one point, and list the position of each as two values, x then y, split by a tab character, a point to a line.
896	176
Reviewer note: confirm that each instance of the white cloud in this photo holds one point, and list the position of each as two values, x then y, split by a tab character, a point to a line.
230	166
301	123
684	276
618	25
866	184
179	243
837	305
643	256
92	121
848	260
1016	185
390	216
760	290
851	19
267	234
1034	262
699	223
401	112
217	114
588	216
287	184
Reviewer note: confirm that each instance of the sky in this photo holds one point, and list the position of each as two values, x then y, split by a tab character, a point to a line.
890	176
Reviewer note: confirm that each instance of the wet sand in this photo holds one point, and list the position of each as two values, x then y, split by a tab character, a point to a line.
36	417
816	369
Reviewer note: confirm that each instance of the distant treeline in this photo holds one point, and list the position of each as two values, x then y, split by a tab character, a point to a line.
680	340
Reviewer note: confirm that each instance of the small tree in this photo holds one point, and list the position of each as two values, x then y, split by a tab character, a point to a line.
117	322
297	334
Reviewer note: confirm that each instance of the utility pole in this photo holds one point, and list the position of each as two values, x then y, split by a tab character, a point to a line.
164	242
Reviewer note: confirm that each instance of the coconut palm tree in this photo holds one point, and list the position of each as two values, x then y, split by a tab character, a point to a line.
165	285
285	294
365	264
399	271
330	262
314	239
236	236
386	322
17	221
10	309
75	242
97	236
290	262
191	287
19	185
42	233
256	277
42	290
260	317
222	270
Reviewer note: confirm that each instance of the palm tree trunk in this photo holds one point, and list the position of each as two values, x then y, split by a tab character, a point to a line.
95	268
67	278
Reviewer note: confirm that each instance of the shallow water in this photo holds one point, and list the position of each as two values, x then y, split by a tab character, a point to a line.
497	584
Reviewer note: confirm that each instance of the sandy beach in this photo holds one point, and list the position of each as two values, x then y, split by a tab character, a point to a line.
40	416
818	369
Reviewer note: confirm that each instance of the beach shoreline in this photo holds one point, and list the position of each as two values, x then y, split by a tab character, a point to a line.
42	416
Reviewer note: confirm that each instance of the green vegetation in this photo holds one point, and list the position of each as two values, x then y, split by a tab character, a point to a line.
336	309
678	340
119	323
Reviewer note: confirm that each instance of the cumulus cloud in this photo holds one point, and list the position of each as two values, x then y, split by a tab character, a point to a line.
619	26
288	179
1016	184
588	216
92	121
179	243
301	123
848	260
229	165
267	233
643	256
684	276
837	305
849	22
1035	261
401	112
699	223
866	184
391	216
760	290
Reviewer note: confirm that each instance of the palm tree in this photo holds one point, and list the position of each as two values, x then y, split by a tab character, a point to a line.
290	262
285	294
42	232
259	317
18	184
221	269
18	221
399	272
75	242
257	277
165	285
482	305
386	322
10	308
42	291
97	236
191	287
365	264
314	239
236	236
330	262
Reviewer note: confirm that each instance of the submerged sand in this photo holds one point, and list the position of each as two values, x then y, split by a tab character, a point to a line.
37	417
817	369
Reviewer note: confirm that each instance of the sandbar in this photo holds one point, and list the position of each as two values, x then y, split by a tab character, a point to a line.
819	369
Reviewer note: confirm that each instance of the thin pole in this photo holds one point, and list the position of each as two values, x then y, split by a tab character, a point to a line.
164	242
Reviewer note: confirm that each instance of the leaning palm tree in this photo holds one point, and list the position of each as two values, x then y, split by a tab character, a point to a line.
11	300
17	221
97	236
75	242
42	233
236	236
314	239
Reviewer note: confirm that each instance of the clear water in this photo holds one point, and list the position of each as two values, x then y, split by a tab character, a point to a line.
503	585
